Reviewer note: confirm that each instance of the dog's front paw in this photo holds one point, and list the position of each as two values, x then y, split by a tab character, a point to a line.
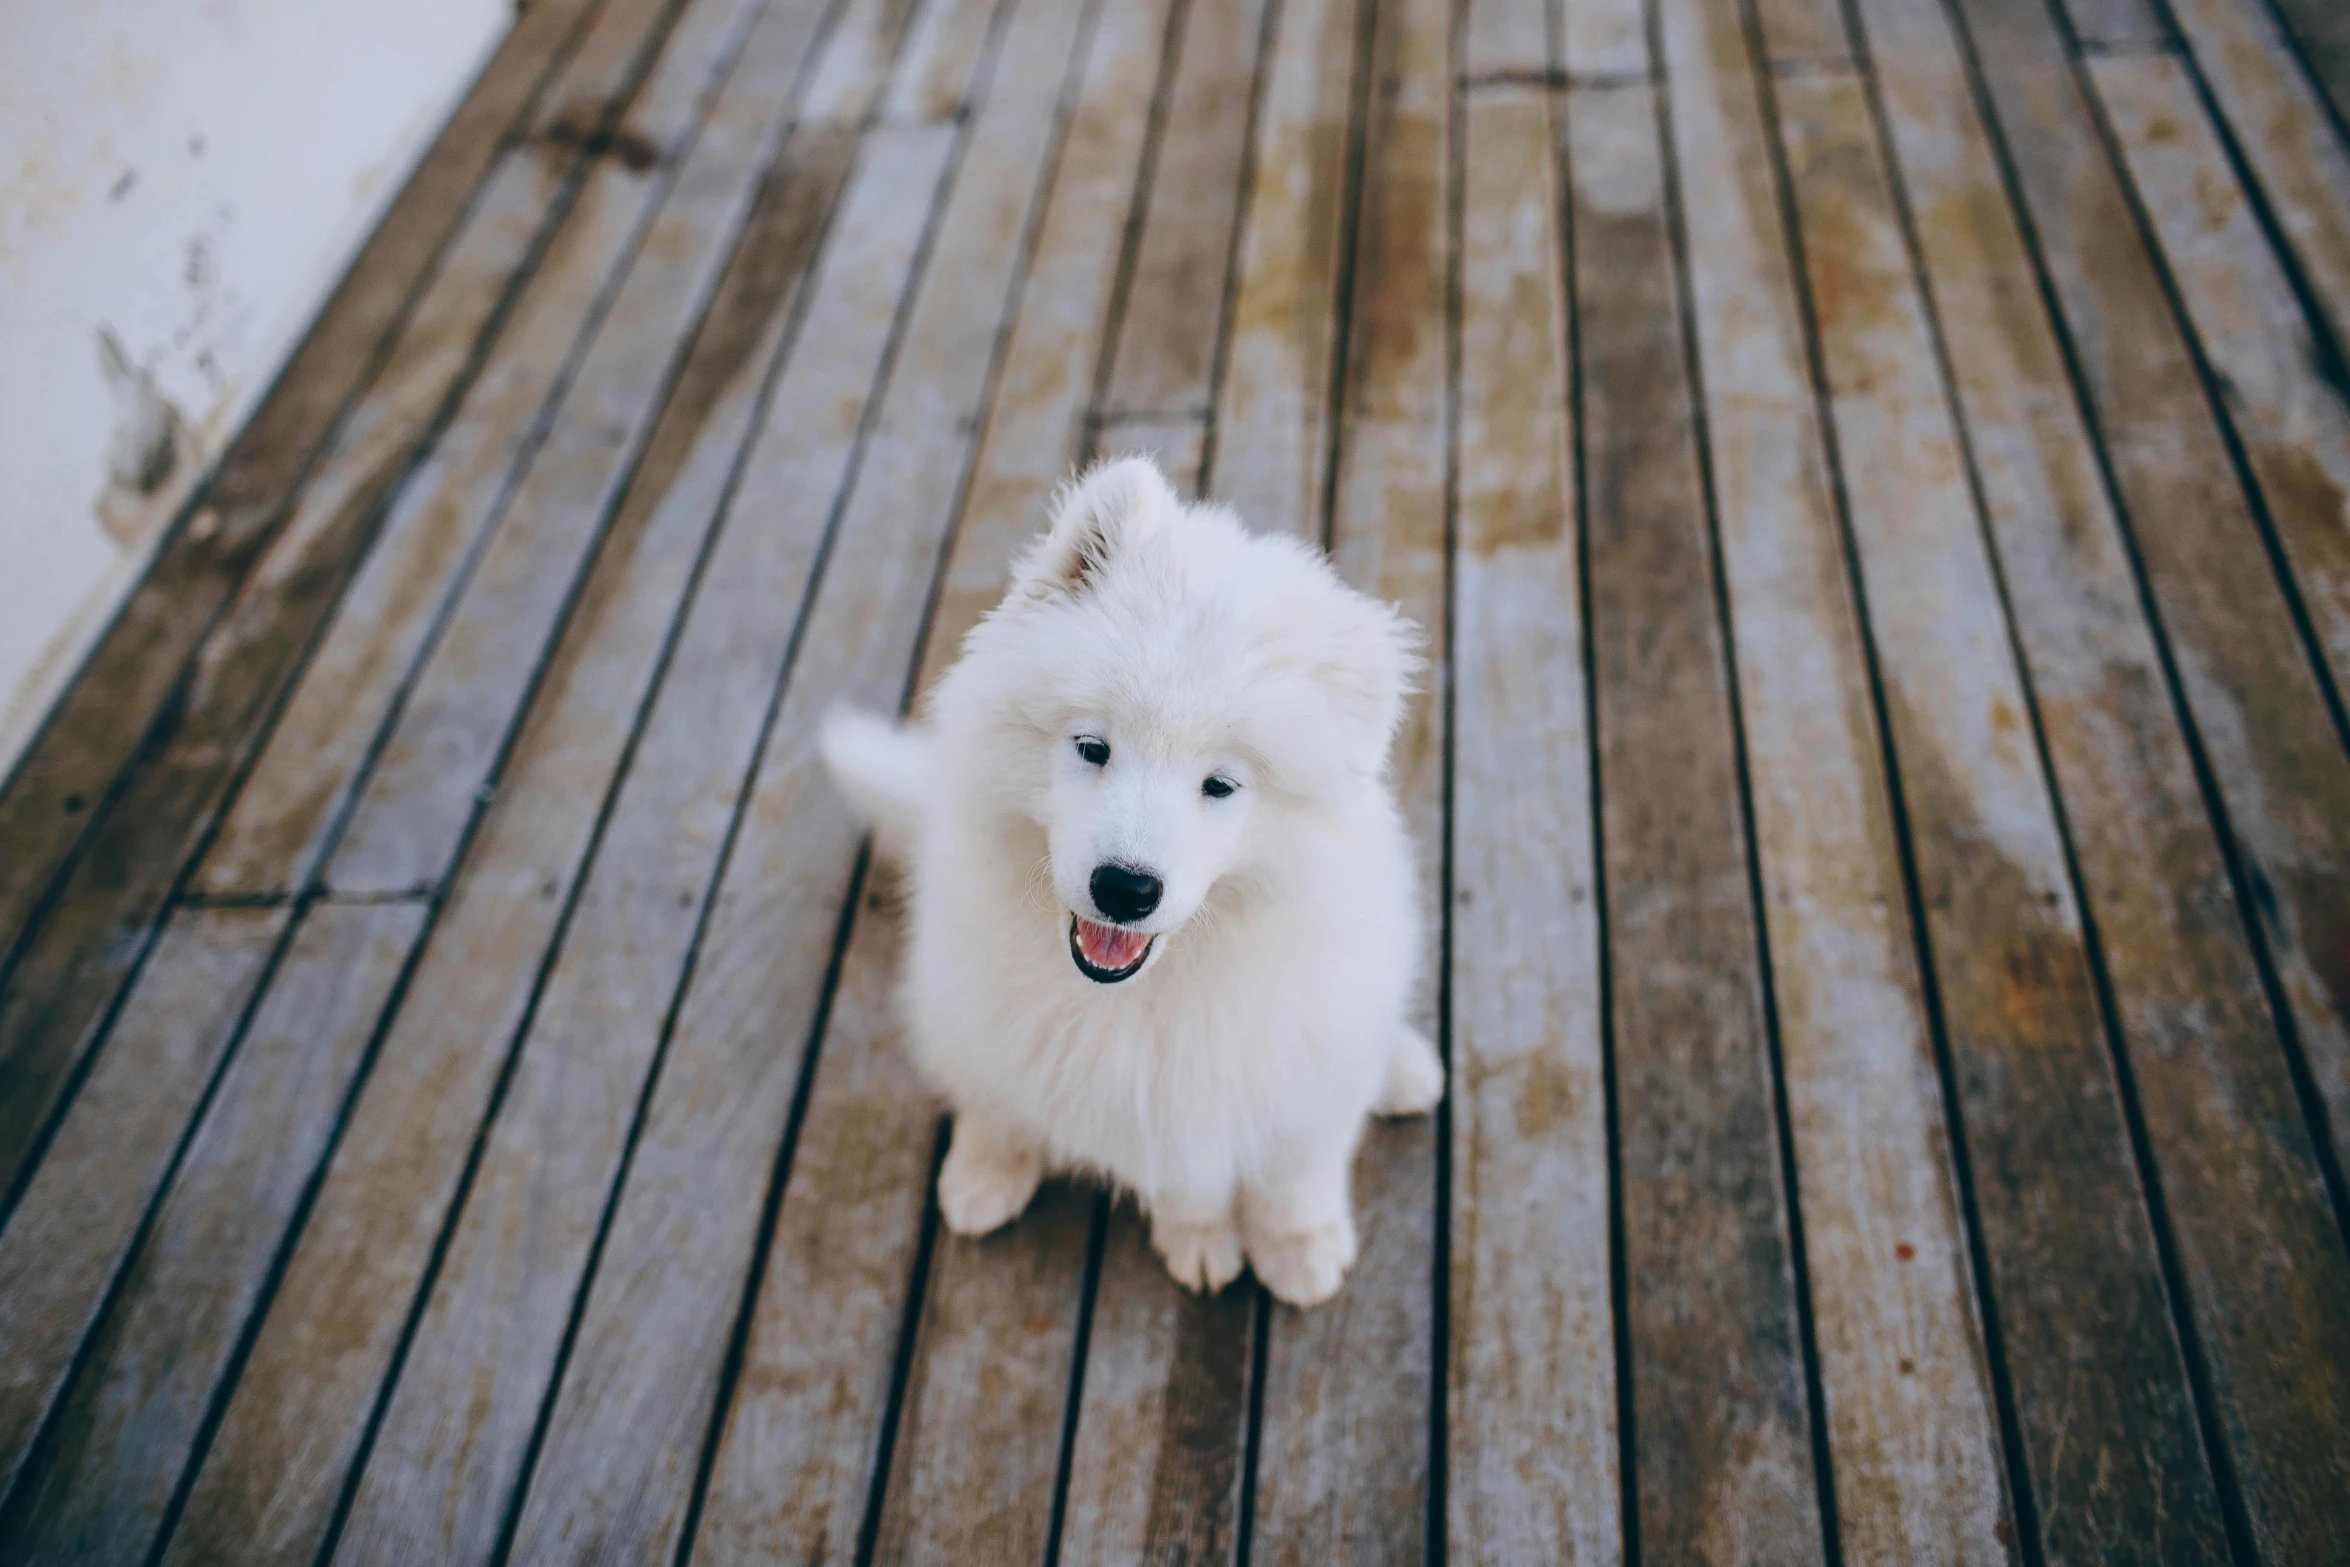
985	1183
1202	1257
1415	1076
1304	1267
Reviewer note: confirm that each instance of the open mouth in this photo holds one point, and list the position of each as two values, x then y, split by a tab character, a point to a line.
1107	954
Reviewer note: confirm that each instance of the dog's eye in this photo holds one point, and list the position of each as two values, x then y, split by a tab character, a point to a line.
1218	788
1094	751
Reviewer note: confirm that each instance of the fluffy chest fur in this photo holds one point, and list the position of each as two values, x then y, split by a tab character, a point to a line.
1264	1029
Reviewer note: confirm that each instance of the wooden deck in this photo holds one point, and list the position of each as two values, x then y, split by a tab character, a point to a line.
1875	474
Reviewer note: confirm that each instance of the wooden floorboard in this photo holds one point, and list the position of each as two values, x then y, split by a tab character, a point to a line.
1343	1462
2064	1235
72	964
1719	1400
1530	1400
1914	1450
65	778
115	1450
1871	474
292	1426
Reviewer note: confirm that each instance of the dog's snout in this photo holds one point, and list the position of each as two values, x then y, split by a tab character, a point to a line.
1124	893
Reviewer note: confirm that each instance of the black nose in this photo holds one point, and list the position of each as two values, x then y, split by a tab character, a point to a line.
1124	893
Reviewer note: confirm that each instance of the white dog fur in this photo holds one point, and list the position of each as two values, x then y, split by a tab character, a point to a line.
1167	693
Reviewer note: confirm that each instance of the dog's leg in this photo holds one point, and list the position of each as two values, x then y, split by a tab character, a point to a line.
989	1175
1415	1075
1300	1226
1197	1237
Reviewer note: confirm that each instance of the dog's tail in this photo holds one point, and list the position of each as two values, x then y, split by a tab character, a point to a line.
884	769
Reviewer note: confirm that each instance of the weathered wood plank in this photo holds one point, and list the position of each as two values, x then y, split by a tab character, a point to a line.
632	1420
2244	1201
297	1416
798	1449
485	1349
1803	33
1344	1447
54	999
116	1449
516	1261
1509	38
2280	124
1271	448
82	1211
2283	778
1155	1474
1038	417
2115	25
1167	357
1531	1399
1177	445
1914	1443
2102	1402
1722	1441
291	805
1605	39
2322	29
57	786
979	1431
2294	424
933	79
966	1478
2211	1082
424	785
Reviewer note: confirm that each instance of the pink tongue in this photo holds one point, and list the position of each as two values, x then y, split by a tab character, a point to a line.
1107	946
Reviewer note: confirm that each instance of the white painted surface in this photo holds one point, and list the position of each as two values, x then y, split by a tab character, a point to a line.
180	186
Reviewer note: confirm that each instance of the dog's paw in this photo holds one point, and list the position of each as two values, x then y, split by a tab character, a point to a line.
984	1184
1304	1267
1415	1076
1202	1257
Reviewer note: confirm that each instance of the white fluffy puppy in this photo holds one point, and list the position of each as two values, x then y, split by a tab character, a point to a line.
1163	925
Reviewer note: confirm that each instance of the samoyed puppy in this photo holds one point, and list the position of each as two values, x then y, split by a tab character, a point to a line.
1162	921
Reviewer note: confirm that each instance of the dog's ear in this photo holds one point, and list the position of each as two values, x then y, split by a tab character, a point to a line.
1107	508
1366	668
